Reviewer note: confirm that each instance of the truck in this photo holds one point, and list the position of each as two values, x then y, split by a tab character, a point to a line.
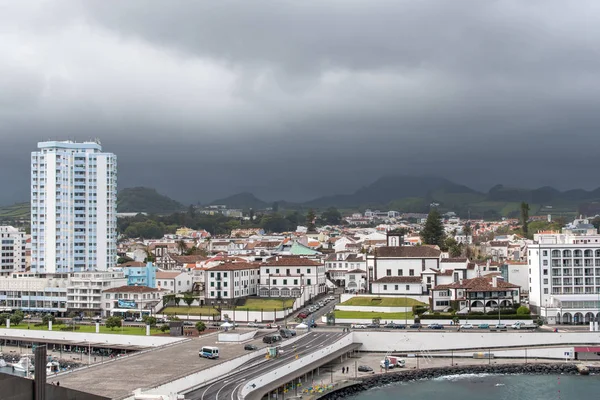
522	325
390	362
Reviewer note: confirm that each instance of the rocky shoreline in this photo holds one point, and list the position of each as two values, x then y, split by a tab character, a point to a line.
373	381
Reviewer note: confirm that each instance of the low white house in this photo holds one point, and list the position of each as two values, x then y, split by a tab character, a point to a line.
174	281
402	285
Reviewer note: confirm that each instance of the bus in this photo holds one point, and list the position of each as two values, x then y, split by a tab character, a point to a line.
209	352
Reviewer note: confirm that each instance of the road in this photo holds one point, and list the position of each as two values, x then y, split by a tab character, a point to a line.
229	387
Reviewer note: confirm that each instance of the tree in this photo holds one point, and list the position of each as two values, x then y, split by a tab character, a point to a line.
177	300
433	231
525	218
113	322
200	326
150	320
331	216
164	327
17	317
310	220
3	318
181	246
188	299
167	298
47	318
523	310
467	231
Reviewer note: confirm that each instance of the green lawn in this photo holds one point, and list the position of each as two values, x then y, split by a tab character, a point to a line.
127	330
382	302
397	316
265	304
193	310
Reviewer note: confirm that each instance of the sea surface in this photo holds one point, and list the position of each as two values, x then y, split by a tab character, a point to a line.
492	387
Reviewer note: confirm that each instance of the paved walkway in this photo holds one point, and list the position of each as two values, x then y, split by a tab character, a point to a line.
118	379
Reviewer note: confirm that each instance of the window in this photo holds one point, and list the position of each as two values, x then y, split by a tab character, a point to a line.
545	290
295	281
395	287
298	271
411	272
308	282
407	287
285	281
308	271
545	281
276	270
400	272
545	253
545	262
545	272
274	281
212	294
384	287
388	272
225	294
267	270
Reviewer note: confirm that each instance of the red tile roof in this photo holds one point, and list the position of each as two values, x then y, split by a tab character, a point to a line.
132	289
408	252
290	262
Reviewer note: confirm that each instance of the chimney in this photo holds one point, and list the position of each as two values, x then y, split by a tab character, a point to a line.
495	281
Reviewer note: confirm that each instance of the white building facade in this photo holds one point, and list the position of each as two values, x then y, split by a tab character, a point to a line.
12	257
231	280
34	293
564	277
84	291
73	208
291	276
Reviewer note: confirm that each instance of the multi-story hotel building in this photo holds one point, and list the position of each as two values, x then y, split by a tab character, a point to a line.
73	208
564	277
12	257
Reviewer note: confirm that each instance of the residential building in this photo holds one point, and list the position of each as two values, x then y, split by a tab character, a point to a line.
291	276
84	291
174	281
140	274
481	294
34	293
404	285
338	265
396	260
13	255
564	277
134	301
356	281
73	208
231	280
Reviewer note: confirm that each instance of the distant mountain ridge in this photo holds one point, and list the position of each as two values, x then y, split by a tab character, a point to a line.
415	194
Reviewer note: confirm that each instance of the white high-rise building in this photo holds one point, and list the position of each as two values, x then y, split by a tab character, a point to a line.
73	208
12	257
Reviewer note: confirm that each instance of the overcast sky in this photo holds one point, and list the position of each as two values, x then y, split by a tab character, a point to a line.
297	99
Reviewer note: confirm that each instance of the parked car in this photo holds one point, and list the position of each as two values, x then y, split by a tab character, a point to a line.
392	325
416	326
466	326
250	347
285	333
358	326
293	332
253	324
500	326
372	326
435	326
302	315
364	368
269	339
331	298
313	324
484	326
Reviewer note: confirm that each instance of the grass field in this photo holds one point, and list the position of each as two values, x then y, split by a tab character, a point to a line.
127	330
382	302
265	304
193	310
399	316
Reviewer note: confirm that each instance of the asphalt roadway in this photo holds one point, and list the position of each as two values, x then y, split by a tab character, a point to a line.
228	388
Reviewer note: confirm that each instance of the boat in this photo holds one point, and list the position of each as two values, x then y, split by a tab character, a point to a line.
24	365
52	367
2	363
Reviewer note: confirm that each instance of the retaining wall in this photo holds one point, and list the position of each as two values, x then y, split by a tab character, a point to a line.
411	341
373	309
347	296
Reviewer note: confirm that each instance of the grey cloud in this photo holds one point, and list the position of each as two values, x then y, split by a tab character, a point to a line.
294	100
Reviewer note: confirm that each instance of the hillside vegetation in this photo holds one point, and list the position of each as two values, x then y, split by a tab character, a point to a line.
141	199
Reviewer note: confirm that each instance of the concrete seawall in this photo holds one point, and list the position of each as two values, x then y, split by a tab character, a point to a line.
374	381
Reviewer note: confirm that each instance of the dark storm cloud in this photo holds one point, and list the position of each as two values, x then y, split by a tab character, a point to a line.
295	99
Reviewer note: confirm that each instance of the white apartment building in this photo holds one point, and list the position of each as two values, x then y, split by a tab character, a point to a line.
564	277
291	276
73	208
34	293
231	280
12	257
84	291
135	301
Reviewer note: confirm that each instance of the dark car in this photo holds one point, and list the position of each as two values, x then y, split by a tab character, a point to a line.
372	326
364	368
271	339
285	333
436	326
250	347
293	332
415	326
392	325
313	324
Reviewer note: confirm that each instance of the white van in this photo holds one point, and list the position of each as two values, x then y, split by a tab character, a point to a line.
209	352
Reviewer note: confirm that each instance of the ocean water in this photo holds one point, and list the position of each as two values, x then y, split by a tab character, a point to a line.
492	387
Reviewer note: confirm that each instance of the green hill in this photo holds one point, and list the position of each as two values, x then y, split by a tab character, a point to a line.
141	199
15	211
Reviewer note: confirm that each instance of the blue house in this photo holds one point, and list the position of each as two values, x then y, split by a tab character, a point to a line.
141	276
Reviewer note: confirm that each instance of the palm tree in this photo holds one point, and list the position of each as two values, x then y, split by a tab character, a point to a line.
181	246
